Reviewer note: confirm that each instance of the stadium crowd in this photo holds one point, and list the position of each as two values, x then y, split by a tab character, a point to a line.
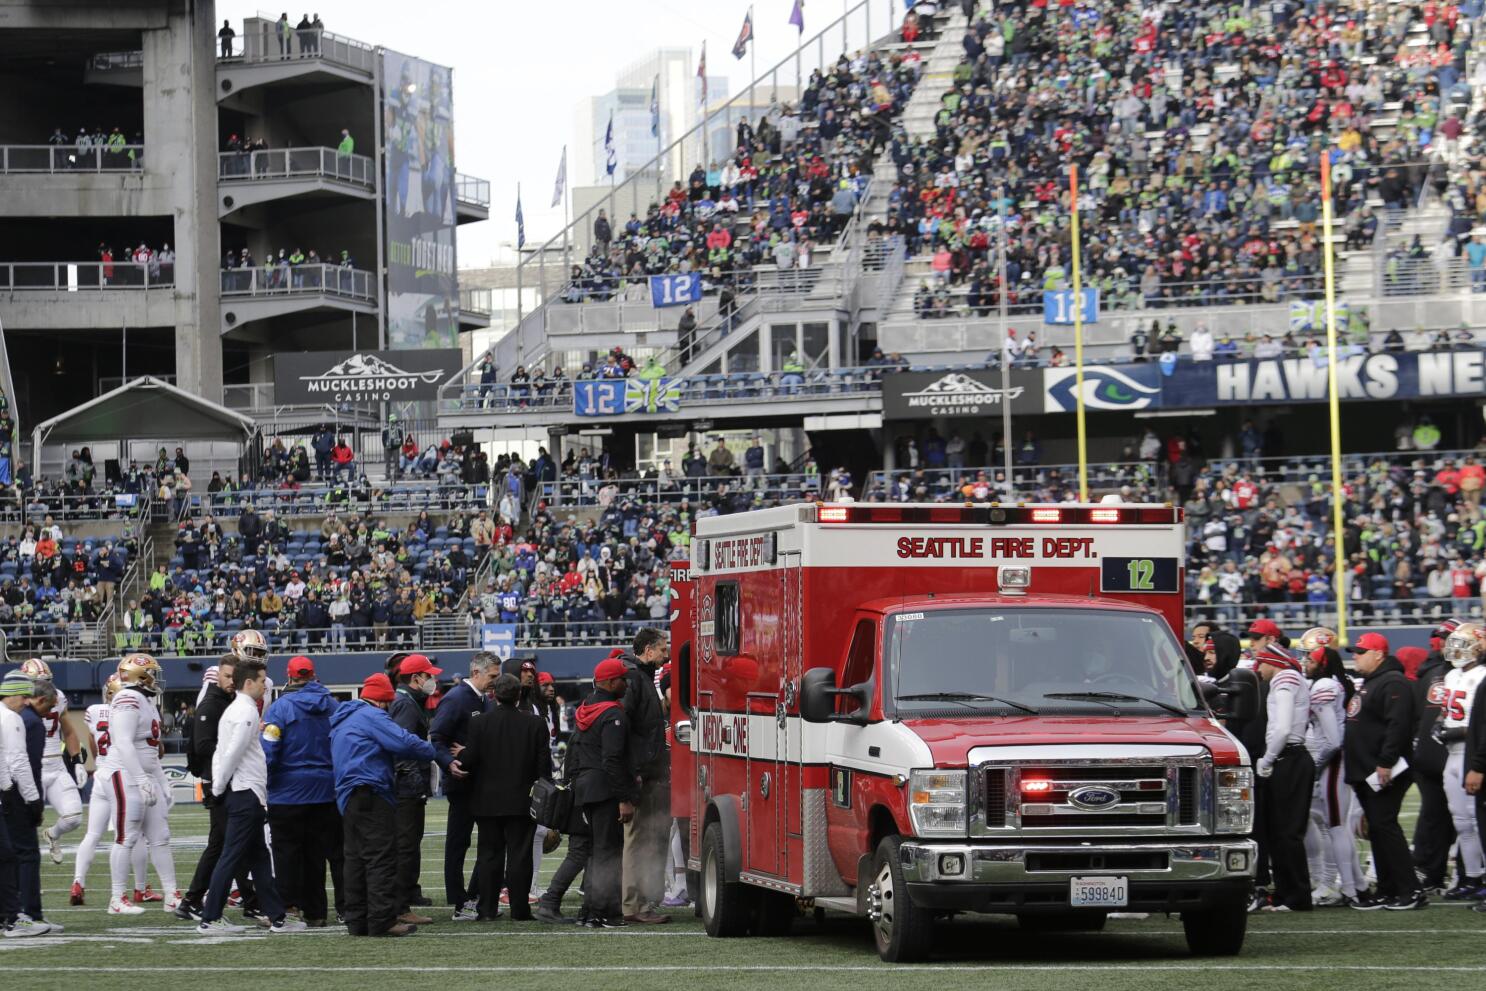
1197	131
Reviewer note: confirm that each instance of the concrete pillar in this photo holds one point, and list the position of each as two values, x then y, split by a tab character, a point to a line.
180	112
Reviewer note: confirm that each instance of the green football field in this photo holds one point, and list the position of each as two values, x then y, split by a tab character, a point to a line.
1326	949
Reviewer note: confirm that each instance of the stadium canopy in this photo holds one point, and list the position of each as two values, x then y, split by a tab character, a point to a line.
143	408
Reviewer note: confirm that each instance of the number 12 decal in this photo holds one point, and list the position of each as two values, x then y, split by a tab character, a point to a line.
1142	574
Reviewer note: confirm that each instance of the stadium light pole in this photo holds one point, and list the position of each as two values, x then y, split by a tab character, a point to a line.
1078	342
1005	358
1334	403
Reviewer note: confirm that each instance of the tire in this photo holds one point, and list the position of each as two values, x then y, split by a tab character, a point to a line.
1216	932
902	931
774	913
1063	922
726	906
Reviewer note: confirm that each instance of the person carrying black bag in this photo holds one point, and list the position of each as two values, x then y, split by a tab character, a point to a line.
607	789
505	755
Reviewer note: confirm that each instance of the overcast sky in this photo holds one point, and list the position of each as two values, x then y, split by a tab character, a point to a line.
521	69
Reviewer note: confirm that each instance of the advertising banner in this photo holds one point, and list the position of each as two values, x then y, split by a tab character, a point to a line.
615	397
499	639
1106	387
418	128
1057	306
971	392
1410	375
675	290
311	378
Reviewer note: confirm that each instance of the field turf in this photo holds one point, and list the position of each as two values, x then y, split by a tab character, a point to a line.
1323	950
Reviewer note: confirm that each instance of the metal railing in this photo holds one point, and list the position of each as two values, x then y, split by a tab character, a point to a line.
280	280
468	189
576	632
947	484
294	163
200	639
479	301
1299	468
85	276
1297	616
105	61
271	44
736	387
675	487
317	498
64	508
15	159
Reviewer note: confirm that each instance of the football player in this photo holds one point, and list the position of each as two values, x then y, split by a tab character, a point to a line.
63	770
250	643
141	795
100	804
1330	849
1465	649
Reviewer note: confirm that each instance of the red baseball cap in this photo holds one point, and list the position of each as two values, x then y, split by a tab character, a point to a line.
417	664
1265	628
301	667
609	668
377	688
1369	641
545	678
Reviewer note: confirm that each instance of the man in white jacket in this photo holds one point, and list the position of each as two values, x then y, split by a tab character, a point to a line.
240	779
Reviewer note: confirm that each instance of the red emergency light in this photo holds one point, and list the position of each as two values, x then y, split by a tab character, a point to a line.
996	515
1036	786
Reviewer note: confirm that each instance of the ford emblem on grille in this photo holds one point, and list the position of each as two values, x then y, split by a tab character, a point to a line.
1094	798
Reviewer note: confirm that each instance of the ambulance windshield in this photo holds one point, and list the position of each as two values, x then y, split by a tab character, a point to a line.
1065	660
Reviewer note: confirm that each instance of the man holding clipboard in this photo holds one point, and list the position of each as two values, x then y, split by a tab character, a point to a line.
1378	746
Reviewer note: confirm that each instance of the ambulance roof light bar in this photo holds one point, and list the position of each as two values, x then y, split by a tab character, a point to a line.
994	514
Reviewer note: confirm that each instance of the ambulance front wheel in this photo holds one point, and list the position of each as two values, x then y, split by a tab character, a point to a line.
1216	932
726	906
902	930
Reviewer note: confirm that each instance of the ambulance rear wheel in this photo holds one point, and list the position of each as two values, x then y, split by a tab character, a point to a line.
726	905
1216	932
902	930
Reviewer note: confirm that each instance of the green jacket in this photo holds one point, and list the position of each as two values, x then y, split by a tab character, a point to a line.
347	146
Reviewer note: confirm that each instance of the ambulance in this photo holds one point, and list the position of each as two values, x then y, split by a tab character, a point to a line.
904	712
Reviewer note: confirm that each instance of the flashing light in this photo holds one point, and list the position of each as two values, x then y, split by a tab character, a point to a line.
1036	786
1104	515
833	514
996	515
1047	515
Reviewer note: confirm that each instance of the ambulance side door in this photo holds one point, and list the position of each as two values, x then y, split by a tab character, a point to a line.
847	806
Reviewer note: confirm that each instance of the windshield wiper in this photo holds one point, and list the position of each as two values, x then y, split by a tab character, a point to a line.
1117	697
966	698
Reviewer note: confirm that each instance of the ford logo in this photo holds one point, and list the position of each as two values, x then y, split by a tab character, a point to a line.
1094	798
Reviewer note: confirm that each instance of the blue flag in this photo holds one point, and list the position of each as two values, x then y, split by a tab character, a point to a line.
655	108
740	47
611	160
797	16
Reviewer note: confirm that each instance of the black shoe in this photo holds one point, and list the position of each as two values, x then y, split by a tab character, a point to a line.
546	913
1408	903
257	916
1465	891
617	922
1367	901
188	912
588	923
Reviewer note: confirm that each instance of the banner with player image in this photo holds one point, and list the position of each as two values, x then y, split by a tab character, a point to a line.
418	132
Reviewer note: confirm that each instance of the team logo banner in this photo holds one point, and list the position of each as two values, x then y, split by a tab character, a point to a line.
499	639
616	397
1105	387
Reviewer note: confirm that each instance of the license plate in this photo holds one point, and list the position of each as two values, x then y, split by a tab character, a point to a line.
1099	892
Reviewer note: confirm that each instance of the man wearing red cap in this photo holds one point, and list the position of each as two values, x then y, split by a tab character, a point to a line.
1287	775
416	681
302	818
364	742
1378	747
607	789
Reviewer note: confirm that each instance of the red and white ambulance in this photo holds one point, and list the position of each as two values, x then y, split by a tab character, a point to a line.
905	711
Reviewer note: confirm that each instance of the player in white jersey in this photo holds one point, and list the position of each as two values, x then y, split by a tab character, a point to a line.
60	777
1331	852
1465	649
100	805
141	795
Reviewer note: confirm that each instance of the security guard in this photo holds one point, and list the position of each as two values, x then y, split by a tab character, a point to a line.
302	818
416	680
607	790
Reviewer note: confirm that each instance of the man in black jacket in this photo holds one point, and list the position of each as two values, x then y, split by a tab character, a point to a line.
450	728
645	835
412	782
506	753
1380	718
1475	765
606	788
199	762
1434	831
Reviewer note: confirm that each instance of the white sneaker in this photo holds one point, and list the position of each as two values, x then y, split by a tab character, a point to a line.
468	912
288	924
53	929
123	906
219	927
173	901
54	846
25	926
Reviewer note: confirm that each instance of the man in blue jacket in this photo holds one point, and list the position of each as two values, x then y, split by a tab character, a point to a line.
364	743
303	821
451	727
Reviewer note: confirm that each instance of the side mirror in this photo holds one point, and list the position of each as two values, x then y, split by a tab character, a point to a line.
1235	697
818	694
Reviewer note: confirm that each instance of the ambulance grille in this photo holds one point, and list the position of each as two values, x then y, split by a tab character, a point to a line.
995	800
1186	797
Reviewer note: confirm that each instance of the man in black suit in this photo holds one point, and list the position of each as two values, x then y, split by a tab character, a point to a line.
450	729
506	753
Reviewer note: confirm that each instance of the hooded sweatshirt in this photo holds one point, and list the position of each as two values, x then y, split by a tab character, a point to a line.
364	742
296	744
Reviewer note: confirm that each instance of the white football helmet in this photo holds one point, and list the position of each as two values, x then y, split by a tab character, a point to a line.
141	671
1317	636
36	669
1464	646
250	643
